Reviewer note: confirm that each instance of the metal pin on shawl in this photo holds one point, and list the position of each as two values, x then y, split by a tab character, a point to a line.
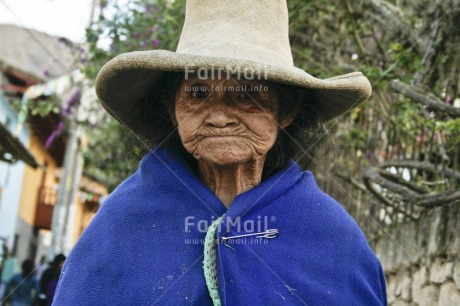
210	256
268	234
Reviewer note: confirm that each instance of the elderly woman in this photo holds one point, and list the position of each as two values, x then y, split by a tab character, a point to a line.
219	212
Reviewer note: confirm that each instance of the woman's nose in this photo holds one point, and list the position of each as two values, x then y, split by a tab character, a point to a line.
220	111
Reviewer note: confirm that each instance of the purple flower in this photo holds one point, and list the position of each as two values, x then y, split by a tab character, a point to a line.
54	134
155	42
150	30
136	35
46	73
71	101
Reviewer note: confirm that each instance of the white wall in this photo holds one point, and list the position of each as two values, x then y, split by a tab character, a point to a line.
11	176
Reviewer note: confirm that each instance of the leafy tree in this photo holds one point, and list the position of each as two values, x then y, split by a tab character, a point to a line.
416	42
114	151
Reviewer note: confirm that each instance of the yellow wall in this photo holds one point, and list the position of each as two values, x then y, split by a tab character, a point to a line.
83	216
33	178
79	212
83	213
32	181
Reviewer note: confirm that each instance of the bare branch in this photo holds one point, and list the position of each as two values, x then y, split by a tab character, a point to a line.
433	103
447	197
351	181
401	181
372	175
371	188
388	16
425	166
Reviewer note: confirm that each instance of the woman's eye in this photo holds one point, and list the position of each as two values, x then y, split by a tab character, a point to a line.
199	92
248	95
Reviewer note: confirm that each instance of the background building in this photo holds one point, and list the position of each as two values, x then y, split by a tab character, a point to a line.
30	174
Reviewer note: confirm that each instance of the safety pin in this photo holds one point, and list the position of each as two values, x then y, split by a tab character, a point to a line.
268	234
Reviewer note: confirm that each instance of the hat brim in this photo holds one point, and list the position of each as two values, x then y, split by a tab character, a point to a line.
129	77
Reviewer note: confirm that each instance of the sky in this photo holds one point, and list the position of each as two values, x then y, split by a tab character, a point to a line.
63	18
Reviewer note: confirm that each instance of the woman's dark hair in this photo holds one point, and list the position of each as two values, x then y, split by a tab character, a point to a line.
298	141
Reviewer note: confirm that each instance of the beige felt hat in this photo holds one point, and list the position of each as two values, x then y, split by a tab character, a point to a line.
249	38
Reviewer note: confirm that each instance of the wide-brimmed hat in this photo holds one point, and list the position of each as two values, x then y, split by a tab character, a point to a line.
246	38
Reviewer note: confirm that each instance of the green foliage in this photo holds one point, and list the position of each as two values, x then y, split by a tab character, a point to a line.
143	25
41	107
407	115
355	139
112	153
44	108
451	130
327	38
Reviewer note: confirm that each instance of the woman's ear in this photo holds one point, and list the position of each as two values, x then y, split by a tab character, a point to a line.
172	115
178	85
287	119
170	107
289	116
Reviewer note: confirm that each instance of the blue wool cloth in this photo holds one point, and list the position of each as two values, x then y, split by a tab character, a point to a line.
145	245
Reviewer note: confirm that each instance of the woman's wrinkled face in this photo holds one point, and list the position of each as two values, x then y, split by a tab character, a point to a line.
226	122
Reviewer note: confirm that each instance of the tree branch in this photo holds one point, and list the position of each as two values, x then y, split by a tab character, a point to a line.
389	19
351	181
374	175
371	188
425	166
430	201
433	103
401	181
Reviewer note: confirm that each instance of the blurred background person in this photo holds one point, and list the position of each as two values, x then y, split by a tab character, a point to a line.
41	267
49	280
10	267
23	286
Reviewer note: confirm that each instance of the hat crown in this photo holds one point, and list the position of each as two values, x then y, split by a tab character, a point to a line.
233	36
255	30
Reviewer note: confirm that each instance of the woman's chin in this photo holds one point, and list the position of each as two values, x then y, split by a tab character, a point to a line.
223	156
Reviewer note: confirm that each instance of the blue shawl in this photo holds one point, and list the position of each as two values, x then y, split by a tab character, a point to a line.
145	245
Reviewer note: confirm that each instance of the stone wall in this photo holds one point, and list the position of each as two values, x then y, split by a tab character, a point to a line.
421	259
